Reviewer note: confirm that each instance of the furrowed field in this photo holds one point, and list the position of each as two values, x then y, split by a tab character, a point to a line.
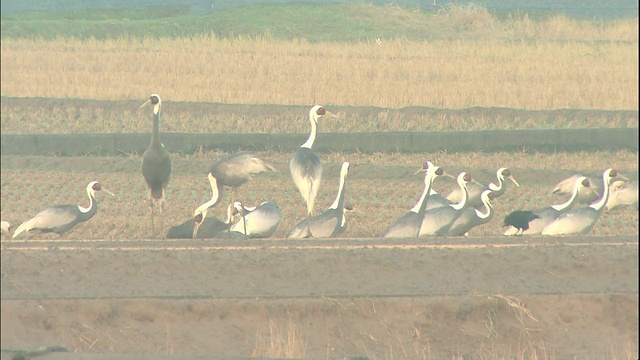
62	75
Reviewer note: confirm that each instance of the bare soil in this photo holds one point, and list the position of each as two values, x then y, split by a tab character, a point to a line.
370	298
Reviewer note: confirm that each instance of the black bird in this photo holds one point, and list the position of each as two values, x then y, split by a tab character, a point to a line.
233	171
156	166
520	219
62	218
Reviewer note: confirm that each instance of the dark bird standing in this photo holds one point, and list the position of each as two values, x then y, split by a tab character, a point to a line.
62	218
520	219
156	166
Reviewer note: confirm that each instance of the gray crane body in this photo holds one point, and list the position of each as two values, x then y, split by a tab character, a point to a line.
331	222
261	221
408	225
472	217
438	221
547	215
62	218
581	220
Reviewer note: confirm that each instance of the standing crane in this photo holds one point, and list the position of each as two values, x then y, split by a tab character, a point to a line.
581	220
156	166
62	218
306	168
408	225
544	216
232	171
330	223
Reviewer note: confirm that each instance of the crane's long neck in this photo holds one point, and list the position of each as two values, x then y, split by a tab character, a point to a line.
216	195
497	189
312	135
599	206
421	206
87	213
339	200
571	201
465	196
155	133
489	211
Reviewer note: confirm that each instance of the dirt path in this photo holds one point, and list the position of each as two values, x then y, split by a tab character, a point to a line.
472	298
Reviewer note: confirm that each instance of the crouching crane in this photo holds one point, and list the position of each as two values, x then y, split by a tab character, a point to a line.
62	218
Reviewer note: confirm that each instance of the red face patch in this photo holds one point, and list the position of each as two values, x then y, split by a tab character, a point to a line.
321	111
96	187
466	177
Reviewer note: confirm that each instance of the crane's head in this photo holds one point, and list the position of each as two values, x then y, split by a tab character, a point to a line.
438	170
463	179
318	111
198	218
504	173
95	186
155	101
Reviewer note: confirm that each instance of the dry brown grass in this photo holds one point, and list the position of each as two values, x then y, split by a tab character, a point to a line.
461	73
381	187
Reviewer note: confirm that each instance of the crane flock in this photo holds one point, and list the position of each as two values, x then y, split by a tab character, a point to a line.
465	208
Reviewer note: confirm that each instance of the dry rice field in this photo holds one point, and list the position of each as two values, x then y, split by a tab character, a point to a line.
106	290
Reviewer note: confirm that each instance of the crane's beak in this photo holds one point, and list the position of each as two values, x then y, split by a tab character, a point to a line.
514	180
196	226
328	113
449	175
107	191
145	103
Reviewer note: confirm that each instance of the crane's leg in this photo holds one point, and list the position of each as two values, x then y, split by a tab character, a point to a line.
151	206
161	203
309	234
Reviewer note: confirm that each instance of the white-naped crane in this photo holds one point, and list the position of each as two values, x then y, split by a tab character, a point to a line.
623	194
475	189
257	221
438	221
232	171
306	168
5	226
62	218
331	222
435	200
544	216
587	195
472	217
408	225
582	220
156	166
210	227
